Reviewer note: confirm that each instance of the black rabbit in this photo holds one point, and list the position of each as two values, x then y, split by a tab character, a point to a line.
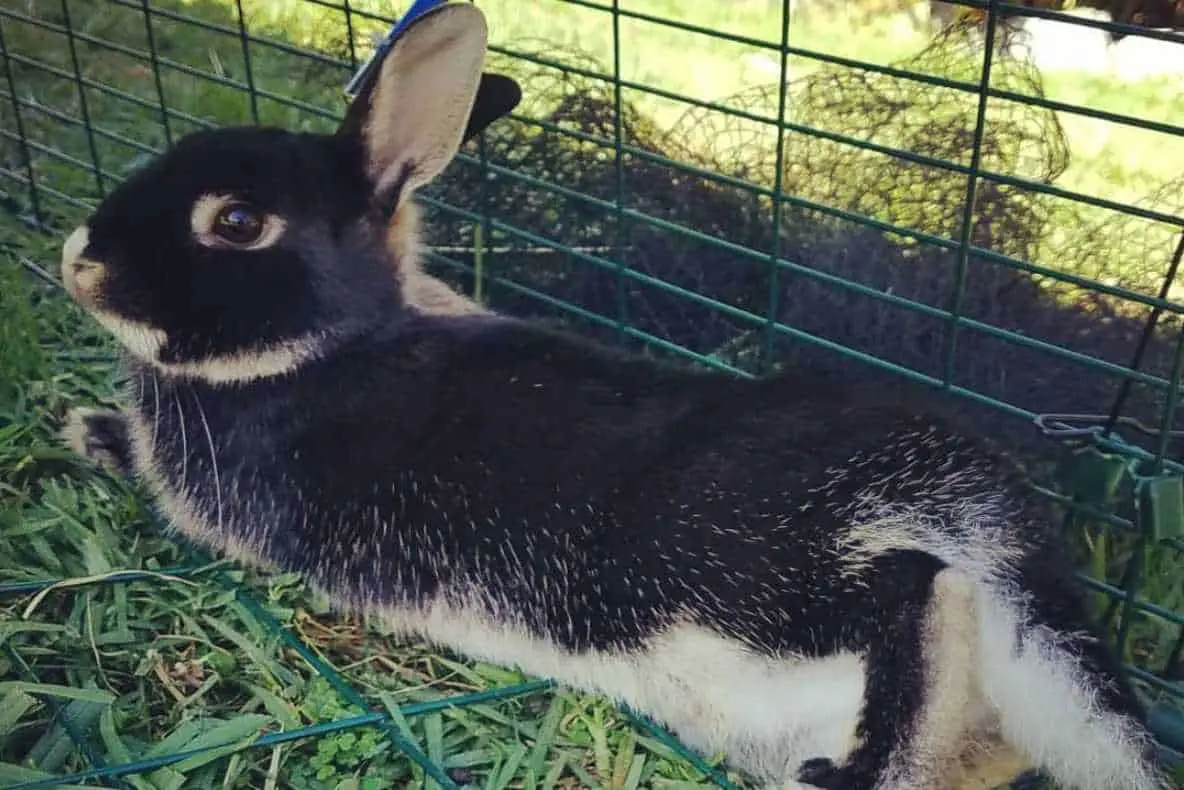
834	586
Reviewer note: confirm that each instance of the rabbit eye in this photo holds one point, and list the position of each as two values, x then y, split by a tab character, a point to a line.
238	224
224	221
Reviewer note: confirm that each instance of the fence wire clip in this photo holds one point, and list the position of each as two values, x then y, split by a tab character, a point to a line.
418	8
1070	426
1094	476
1160	502
1061	426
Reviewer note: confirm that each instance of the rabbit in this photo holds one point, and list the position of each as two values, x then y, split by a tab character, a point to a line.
834	587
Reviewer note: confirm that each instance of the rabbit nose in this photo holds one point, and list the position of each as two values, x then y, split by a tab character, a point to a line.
80	275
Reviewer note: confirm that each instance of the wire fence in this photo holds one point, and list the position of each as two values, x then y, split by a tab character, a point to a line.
728	191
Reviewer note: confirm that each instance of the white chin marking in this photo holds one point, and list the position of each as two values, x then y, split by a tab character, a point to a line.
244	366
146	342
140	339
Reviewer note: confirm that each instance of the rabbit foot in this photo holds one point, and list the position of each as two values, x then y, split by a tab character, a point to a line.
100	436
822	772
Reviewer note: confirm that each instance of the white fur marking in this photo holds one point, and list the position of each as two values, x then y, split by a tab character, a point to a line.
433	297
74	432
81	277
74	245
1048	706
769	715
978	542
141	339
243	366
420	290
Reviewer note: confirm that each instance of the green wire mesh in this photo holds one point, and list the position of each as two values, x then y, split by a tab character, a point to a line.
902	218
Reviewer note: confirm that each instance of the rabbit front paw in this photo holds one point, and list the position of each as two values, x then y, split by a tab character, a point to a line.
100	436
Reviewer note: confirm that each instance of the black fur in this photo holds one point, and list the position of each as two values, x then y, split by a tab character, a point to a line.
592	498
819	772
519	455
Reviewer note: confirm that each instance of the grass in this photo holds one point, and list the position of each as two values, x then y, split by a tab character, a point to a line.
171	662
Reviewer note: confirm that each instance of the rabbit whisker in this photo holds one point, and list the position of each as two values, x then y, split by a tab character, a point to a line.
201	412
155	410
184	443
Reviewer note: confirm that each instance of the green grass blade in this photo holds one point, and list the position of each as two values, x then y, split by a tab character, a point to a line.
96	696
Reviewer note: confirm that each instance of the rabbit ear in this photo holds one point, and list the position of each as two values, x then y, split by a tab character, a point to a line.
413	117
497	96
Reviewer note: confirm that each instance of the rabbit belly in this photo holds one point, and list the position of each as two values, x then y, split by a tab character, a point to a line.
768	714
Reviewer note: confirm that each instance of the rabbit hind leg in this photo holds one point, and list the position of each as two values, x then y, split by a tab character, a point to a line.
920	705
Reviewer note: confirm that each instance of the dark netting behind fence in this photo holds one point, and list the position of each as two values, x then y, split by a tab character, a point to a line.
564	179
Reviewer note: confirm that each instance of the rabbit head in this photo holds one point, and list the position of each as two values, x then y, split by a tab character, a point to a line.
245	251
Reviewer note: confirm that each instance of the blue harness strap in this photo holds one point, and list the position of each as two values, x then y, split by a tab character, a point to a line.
418	8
